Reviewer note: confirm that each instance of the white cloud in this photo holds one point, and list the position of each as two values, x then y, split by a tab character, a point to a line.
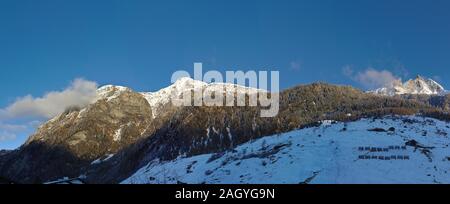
10	127
80	93
371	78
34	124
295	65
347	71
8	131
31	111
5	136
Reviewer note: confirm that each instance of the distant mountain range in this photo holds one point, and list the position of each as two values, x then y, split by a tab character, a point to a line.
419	85
123	131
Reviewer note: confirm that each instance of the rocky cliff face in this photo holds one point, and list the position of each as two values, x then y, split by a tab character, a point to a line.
72	140
104	127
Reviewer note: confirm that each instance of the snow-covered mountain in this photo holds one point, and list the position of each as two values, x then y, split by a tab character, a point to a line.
123	131
387	150
160	98
419	85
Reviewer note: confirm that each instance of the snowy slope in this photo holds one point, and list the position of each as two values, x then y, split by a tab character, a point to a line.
419	85
330	153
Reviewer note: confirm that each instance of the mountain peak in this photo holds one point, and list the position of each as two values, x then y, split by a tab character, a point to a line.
187	83
419	85
186	79
111	91
160	98
419	77
111	87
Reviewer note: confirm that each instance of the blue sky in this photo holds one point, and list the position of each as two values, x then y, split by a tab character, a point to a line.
44	45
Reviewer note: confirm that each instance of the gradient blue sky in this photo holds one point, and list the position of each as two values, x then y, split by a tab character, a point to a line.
46	44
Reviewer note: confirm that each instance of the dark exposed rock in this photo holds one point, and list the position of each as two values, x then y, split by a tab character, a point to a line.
377	130
309	179
412	143
208	172
423	149
4	152
215	157
5	181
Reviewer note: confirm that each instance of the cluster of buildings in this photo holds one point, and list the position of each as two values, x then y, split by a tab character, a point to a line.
383	149
391	157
